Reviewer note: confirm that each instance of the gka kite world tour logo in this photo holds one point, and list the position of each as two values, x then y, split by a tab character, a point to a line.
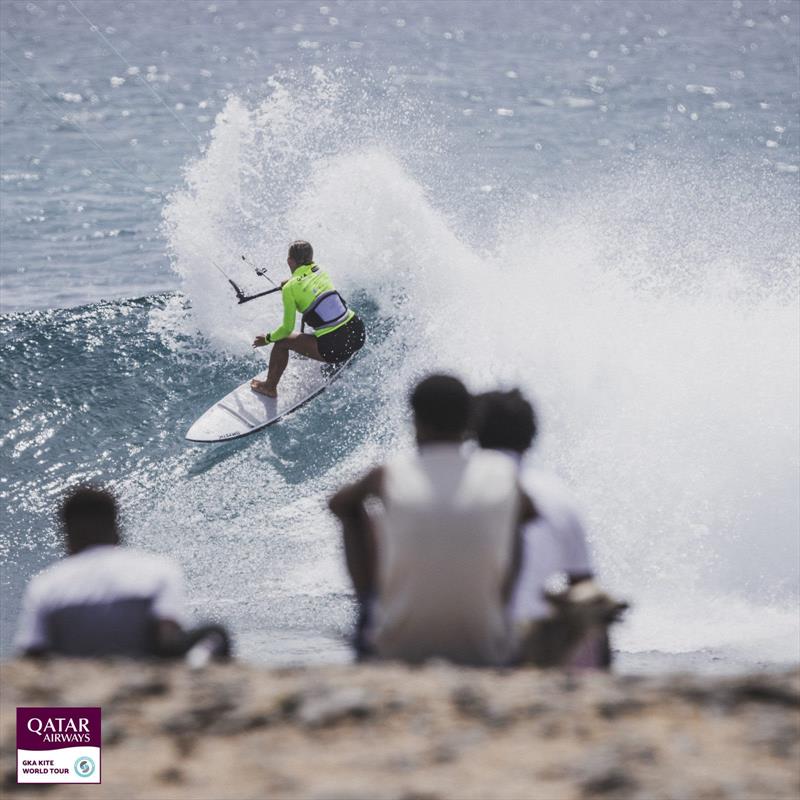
58	745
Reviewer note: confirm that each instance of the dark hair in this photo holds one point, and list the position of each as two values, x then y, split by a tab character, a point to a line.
89	516
504	421
301	252
441	403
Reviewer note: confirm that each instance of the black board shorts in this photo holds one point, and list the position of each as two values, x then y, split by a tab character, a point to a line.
340	344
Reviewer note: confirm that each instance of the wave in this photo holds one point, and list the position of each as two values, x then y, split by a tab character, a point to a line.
651	312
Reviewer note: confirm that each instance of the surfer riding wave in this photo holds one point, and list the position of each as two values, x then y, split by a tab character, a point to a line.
338	331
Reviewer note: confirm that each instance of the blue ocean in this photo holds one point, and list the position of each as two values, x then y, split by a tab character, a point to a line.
595	201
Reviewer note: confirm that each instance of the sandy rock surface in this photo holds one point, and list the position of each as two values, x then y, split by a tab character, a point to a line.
389	732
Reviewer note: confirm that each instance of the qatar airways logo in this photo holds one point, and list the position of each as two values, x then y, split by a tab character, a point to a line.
61	730
58	745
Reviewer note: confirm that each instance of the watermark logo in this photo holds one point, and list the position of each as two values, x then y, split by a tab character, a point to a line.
85	766
58	745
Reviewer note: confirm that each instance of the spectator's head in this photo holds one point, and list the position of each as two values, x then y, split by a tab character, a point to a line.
504	421
89	516
442	406
300	253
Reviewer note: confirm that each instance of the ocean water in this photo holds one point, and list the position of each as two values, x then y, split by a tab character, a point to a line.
596	201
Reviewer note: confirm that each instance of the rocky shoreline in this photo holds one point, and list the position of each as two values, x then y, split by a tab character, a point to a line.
394	733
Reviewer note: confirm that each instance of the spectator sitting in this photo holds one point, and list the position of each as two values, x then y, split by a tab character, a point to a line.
433	569
553	544
108	600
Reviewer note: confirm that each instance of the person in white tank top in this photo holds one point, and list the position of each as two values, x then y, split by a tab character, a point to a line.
434	566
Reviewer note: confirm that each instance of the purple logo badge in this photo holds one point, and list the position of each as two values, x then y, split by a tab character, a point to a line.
58	745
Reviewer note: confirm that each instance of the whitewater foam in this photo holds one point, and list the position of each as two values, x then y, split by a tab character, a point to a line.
652	315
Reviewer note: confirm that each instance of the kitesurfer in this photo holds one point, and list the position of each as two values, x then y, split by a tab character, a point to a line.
338	331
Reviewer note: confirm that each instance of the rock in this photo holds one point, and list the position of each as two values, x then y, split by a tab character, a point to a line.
112	734
451	747
134	691
603	773
10	784
472	702
333	706
170	775
233	724
611	709
762	691
608	780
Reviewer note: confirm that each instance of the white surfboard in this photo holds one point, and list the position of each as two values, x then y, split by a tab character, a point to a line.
244	411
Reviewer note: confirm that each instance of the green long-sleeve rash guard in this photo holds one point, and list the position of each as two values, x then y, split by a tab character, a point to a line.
298	293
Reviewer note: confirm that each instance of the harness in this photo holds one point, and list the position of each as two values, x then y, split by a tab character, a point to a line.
327	309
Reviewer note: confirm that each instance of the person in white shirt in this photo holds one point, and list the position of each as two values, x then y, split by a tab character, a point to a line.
104	599
554	544
434	565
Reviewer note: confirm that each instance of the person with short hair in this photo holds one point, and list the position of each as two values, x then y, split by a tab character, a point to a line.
338	330
434	567
104	599
554	543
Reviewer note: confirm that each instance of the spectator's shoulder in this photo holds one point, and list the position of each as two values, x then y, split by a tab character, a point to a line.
41	583
402	459
37	585
551	494
546	482
495	459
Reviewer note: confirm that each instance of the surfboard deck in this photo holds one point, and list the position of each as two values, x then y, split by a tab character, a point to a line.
243	411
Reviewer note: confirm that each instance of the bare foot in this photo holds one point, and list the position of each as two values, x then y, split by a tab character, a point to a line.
263	388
